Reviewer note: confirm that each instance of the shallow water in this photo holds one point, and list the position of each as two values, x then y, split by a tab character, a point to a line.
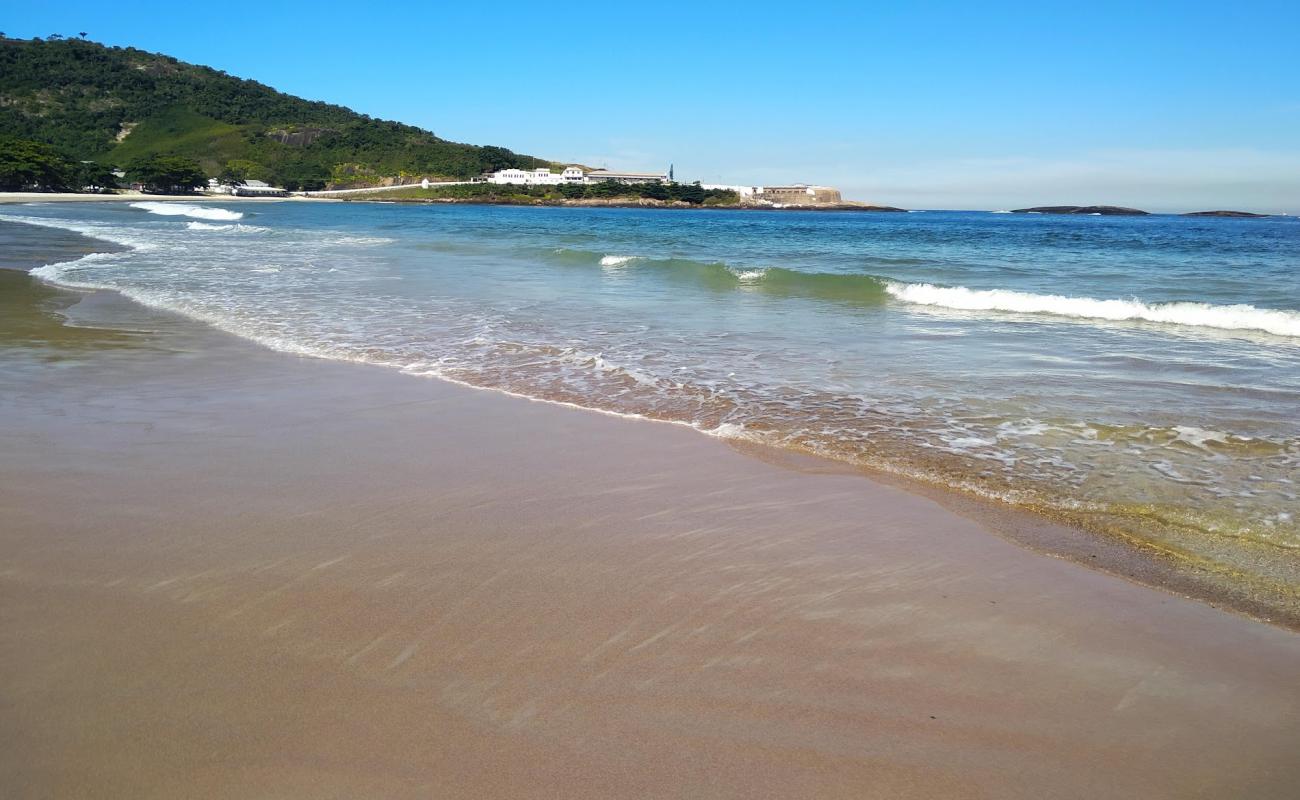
1139	374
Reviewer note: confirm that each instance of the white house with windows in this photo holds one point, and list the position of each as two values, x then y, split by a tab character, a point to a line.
247	189
536	177
258	189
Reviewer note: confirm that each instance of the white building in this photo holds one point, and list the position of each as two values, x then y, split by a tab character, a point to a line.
544	177
259	189
743	191
247	189
798	194
598	175
536	177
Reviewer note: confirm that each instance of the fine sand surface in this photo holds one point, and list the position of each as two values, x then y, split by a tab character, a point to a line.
226	572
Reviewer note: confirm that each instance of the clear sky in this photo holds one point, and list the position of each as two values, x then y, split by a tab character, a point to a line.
1165	106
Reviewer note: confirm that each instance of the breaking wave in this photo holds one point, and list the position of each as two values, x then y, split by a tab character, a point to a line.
188	210
1242	317
363	241
616	261
718	276
863	289
237	227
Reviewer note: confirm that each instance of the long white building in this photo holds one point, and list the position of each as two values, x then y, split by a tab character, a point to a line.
599	175
544	177
537	177
799	194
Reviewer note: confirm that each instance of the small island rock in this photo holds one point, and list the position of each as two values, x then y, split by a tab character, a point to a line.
1223	214
1109	211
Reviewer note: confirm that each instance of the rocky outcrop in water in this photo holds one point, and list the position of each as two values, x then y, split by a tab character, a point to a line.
1108	211
1223	214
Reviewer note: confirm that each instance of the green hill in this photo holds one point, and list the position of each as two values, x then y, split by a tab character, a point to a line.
115	104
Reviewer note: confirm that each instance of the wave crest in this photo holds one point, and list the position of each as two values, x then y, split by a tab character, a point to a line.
1203	315
169	209
616	261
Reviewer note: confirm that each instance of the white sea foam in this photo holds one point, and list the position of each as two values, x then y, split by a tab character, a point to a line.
234	227
56	272
363	240
1204	315
188	210
616	261
1202	438
749	275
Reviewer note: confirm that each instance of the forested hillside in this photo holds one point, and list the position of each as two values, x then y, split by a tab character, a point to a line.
115	105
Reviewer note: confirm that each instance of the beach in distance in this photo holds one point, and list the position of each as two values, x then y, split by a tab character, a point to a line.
322	499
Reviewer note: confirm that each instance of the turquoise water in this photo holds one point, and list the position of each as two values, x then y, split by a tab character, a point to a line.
1140	371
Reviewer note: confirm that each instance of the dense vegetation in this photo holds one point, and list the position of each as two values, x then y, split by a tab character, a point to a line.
605	190
25	164
34	166
115	105
167	174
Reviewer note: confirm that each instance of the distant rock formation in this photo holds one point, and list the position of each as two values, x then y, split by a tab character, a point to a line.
1223	214
300	137
1109	211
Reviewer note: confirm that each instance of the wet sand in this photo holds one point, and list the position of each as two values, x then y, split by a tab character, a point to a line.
226	572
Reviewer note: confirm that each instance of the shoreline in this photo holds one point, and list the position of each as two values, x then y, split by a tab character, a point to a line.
68	197
7	198
289	563
1053	533
613	203
17	198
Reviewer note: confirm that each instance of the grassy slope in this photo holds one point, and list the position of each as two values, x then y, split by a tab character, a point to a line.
176	131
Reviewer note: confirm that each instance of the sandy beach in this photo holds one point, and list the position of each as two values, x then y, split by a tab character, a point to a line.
13	198
229	572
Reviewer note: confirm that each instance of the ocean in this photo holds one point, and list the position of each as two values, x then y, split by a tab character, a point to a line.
1139	376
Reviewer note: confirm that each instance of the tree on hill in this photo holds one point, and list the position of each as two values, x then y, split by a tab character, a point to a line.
25	164
234	174
91	176
167	174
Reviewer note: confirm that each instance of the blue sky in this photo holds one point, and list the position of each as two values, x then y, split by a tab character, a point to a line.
1167	106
